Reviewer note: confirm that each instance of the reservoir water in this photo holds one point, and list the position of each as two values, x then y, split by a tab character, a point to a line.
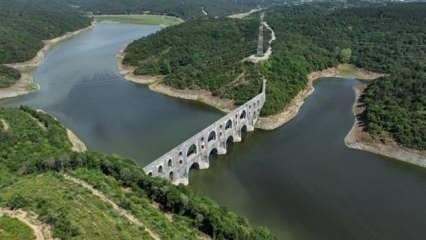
300	180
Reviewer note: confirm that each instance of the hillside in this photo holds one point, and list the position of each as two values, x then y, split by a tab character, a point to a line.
24	26
389	39
94	196
185	9
208	59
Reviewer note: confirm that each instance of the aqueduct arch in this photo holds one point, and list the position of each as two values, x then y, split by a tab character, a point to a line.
197	150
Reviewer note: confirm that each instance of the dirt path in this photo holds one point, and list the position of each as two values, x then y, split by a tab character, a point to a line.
5	125
256	59
245	14
120	210
41	231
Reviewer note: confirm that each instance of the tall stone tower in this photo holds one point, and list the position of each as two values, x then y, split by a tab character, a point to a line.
259	52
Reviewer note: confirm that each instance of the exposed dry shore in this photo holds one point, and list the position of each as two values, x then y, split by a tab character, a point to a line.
25	84
128	72
77	144
291	110
266	123
359	139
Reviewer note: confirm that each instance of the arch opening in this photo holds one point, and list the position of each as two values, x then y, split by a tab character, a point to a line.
243	132
194	166
243	115
229	141
244	129
213	154
228	124
160	169
191	150
150	174
171	176
169	163
212	136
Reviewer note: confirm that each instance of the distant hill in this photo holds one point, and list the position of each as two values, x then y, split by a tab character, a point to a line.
184	8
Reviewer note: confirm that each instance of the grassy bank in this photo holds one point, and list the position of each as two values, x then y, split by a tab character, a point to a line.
143	19
13	229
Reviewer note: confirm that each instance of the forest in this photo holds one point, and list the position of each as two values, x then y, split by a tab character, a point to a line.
389	39
26	23
24	26
189	57
35	154
185	9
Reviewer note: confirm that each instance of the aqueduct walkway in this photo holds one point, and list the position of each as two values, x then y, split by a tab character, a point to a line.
196	151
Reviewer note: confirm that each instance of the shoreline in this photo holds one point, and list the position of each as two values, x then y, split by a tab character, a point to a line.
354	139
359	139
292	109
26	84
77	144
155	85
226	105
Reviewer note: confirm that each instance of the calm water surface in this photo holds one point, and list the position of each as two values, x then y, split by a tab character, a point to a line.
300	180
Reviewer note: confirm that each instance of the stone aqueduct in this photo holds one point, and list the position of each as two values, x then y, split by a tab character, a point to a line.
196	151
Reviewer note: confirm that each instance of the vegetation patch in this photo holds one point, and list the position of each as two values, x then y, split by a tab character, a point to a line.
71	210
26	140
140	206
8	76
13	229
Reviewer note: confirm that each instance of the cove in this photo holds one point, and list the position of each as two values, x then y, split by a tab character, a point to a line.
299	180
81	86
